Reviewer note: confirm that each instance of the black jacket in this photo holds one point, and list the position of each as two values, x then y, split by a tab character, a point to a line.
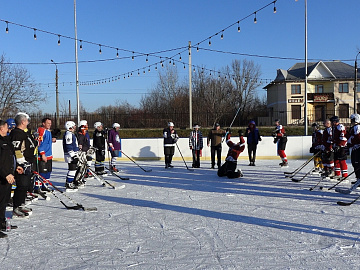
7	158
24	144
99	139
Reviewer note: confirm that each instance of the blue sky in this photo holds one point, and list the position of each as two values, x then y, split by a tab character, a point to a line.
161	25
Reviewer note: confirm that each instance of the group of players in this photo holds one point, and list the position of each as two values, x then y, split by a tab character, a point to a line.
331	148
25	155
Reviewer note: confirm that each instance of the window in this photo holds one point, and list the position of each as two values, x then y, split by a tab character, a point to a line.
319	88
343	88
295	89
357	87
343	110
296	111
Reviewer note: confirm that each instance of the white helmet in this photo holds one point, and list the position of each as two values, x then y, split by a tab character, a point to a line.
115	125
83	123
97	124
69	125
170	124
355	117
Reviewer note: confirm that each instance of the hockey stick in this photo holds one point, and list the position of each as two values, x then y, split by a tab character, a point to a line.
77	205
302	178
343	178
149	170
232	122
348	203
318	183
102	181
291	174
183	158
115	174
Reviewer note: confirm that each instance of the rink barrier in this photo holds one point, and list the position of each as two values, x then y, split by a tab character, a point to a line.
152	149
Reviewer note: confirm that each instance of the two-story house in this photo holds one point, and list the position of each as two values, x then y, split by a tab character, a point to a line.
330	88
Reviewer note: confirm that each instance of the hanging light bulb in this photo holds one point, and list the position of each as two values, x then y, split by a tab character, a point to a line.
149	69
59	40
162	64
274	7
156	67
255	20
117	52
209	41
144	71
239	26
132	57
210	72
184	66
194	69
180	57
147	58
80	45
100	49
197	49
173	63
222	34
35	34
138	72
7	27
128	75
170	61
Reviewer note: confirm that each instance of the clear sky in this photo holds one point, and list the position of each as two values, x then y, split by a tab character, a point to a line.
148	27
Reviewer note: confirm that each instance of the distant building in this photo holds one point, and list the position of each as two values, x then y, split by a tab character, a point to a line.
330	92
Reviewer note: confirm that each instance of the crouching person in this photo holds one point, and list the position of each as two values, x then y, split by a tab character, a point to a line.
229	167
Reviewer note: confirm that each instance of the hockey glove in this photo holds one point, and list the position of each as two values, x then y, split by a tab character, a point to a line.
275	140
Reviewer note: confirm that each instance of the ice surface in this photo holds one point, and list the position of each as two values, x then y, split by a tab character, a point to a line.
178	219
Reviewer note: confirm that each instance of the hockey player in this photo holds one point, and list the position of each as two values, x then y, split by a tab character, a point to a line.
316	147
99	144
214	140
24	144
327	156
354	143
281	139
84	144
170	139
70	147
7	172
339	144
253	138
196	145
45	157
114	145
11	124
229	167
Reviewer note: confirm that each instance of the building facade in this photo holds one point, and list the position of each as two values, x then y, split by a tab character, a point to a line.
330	91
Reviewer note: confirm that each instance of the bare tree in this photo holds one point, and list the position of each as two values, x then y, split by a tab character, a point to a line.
18	90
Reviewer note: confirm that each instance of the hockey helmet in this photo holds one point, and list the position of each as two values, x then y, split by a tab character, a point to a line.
315	125
217	125
11	123
70	125
170	124
97	124
83	123
116	125
335	119
355	117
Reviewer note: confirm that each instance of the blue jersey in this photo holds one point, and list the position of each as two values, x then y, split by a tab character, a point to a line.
70	144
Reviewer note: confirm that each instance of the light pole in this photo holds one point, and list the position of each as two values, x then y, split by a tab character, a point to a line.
355	85
57	94
306	75
77	68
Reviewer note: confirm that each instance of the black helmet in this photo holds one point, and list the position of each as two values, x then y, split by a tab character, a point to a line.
335	119
315	125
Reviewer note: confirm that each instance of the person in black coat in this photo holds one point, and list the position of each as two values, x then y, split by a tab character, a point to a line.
99	140
7	172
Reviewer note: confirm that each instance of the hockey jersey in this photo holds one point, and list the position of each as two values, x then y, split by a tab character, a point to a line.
234	149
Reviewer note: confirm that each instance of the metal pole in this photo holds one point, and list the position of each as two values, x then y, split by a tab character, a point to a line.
77	68
355	83
190	87
306	74
57	94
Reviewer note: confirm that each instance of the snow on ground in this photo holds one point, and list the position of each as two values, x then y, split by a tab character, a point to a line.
178	219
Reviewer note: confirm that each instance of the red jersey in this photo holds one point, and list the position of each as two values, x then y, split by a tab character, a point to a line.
339	135
234	149
327	140
354	138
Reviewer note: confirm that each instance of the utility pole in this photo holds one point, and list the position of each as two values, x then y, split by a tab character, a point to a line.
77	68
57	95
355	83
190	87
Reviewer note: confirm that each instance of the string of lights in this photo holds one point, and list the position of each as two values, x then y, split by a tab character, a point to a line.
130	73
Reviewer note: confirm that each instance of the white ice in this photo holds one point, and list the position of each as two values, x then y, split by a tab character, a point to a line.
179	219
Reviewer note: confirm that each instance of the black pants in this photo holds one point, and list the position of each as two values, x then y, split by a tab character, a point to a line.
169	152
99	160
228	169
5	192
196	158
252	151
216	149
23	184
355	161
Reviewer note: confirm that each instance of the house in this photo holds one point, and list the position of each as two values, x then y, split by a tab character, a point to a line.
330	91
